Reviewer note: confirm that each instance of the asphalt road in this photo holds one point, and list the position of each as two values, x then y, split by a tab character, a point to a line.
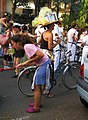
65	105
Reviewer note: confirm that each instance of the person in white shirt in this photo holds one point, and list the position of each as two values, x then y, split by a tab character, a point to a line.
38	31
72	39
61	34
85	48
56	50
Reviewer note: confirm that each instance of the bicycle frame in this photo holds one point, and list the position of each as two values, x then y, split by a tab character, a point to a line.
60	70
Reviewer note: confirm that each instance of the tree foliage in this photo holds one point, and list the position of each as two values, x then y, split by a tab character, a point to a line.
39	4
72	15
78	10
83	15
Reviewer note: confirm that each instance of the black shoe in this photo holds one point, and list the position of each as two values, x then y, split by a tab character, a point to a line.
15	76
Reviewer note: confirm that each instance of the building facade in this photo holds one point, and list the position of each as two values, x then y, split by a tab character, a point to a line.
6	6
2	7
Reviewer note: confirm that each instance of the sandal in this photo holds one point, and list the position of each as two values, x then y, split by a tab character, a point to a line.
32	110
32	105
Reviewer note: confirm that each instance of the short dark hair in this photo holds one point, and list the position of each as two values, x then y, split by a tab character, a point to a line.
73	24
24	39
24	27
17	26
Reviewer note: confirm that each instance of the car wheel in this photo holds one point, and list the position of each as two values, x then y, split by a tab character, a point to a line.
84	102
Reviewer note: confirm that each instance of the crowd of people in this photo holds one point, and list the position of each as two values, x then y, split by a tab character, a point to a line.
40	49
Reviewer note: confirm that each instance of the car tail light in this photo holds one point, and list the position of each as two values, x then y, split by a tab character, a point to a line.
82	70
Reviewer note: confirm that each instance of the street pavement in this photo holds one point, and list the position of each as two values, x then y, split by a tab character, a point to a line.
65	105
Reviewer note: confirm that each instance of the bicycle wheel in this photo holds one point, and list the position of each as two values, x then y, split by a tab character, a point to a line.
71	75
25	79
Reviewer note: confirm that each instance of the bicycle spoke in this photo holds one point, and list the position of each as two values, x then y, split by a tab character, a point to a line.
25	81
70	76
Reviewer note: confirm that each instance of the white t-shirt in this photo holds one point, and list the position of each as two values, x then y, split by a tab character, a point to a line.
55	31
60	31
70	34
55	35
85	40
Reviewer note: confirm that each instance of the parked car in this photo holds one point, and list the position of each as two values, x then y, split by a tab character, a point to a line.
82	83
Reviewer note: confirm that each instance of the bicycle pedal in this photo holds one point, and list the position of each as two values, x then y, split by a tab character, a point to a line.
53	83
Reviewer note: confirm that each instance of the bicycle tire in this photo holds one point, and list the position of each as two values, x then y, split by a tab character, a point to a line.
70	76
25	79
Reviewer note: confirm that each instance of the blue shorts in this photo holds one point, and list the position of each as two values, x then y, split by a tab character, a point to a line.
40	74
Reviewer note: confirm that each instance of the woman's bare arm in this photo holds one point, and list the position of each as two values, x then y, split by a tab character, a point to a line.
2	20
38	55
51	45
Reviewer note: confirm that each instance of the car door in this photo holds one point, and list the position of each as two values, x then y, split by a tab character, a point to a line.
86	68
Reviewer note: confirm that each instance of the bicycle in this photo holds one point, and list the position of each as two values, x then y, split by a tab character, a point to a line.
25	77
70	72
73	69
